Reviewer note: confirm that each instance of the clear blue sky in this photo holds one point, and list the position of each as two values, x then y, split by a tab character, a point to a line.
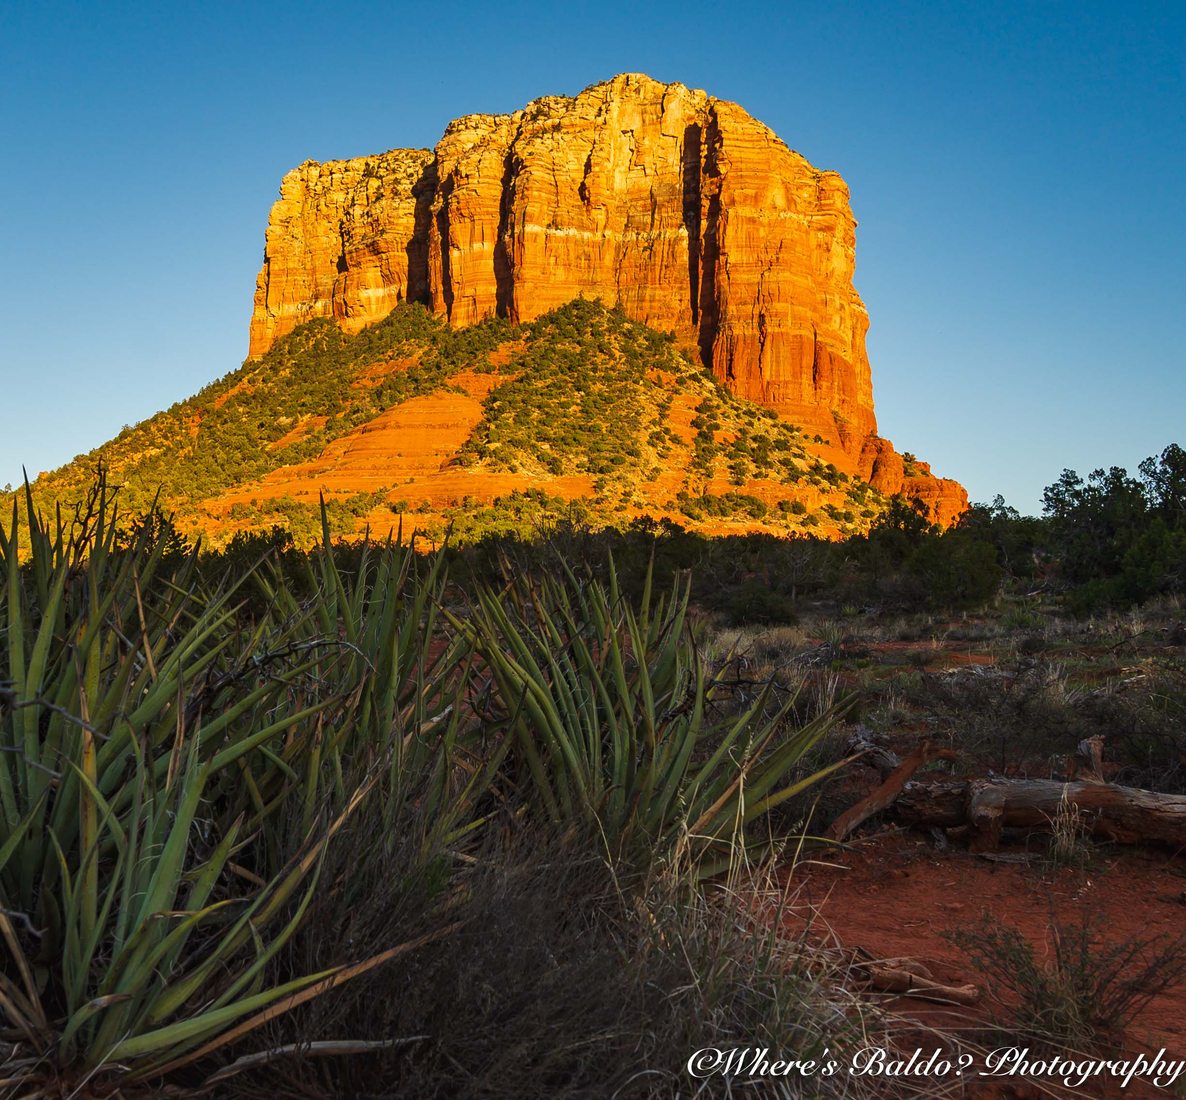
1017	170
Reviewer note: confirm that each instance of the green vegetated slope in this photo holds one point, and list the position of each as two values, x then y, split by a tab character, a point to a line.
228	433
582	394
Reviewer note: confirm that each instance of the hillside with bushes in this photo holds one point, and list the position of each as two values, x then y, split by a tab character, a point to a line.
581	412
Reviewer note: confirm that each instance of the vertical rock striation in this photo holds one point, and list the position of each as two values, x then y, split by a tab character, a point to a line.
693	216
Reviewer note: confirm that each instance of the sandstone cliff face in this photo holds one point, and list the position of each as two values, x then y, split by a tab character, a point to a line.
343	242
692	215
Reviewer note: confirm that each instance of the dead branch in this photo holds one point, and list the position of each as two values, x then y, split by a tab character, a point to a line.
908	978
890	789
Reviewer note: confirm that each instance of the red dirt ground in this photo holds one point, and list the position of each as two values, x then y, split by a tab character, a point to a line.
894	895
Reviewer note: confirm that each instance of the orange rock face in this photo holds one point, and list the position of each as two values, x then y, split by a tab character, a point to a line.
691	214
342	242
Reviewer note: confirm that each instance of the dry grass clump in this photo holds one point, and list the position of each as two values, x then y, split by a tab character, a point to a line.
562	981
1070	836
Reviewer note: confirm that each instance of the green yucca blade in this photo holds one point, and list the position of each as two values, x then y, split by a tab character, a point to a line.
677	768
203	883
82	1016
740	786
607	713
31	688
312	776
647	707
90	949
264	954
260	911
546	719
791	750
155	952
322	983
88	833
40	553
170	946
743	723
70	945
764	805
294	750
644	603
531	753
14	740
769	768
135	815
448	830
332	578
167	874
247	744
177	1037
17	836
572	703
81	905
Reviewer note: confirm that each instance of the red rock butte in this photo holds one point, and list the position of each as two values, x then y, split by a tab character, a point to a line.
680	207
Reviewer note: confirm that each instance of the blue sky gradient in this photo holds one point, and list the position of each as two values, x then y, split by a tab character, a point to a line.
1018	172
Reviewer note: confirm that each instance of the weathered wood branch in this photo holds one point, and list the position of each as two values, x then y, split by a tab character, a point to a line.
1126	815
905	983
908	978
891	787
933	802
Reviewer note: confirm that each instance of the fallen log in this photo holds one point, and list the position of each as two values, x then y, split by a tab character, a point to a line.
933	803
1126	815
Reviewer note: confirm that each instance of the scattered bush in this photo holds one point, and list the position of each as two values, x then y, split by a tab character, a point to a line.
1082	990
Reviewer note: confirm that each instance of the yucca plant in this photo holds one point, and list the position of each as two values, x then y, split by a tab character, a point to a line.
114	659
170	774
382	602
161	955
612	718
